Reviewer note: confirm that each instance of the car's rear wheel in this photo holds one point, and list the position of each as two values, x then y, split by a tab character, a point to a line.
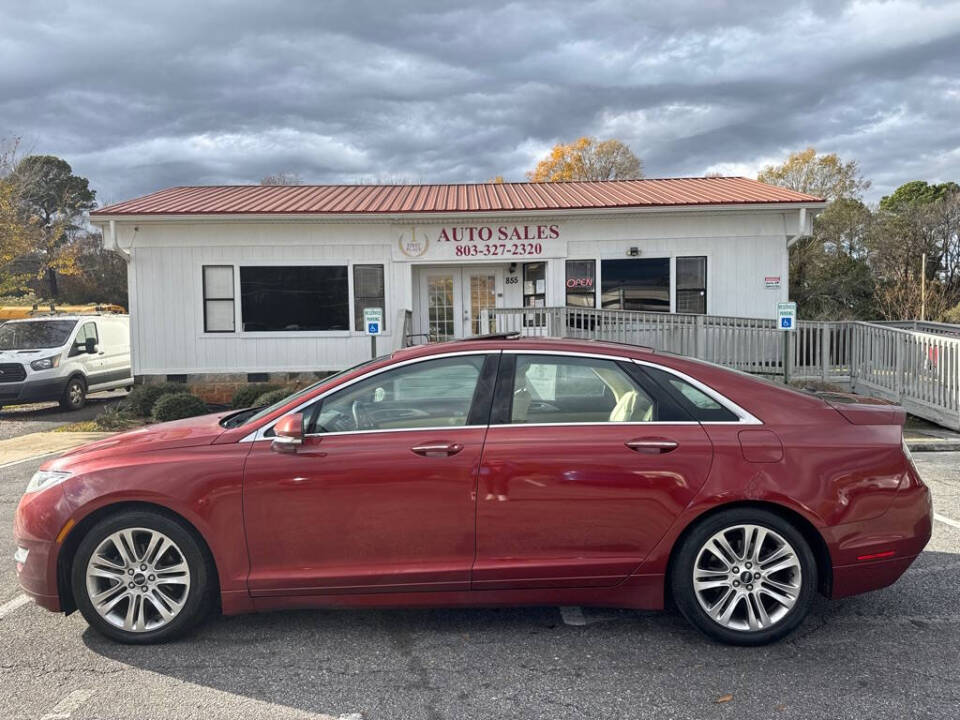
141	577
74	394
744	576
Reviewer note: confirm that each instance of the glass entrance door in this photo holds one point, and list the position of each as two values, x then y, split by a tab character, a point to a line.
480	296
455	301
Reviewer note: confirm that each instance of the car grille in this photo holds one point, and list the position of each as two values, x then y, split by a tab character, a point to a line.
12	372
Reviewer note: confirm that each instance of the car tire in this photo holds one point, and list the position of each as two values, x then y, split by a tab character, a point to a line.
142	577
710	584
74	394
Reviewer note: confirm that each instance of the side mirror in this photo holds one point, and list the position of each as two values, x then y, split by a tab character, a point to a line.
289	433
90	346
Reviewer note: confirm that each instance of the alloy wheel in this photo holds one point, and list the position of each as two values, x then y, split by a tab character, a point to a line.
747	577
138	579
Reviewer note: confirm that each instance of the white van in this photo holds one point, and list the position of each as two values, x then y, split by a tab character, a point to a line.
63	358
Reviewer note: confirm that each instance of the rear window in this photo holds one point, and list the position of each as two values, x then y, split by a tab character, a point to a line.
35	334
698	403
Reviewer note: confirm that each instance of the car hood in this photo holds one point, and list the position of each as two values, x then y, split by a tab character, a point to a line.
190	432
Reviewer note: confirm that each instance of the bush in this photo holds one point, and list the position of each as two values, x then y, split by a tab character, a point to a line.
247	395
142	398
115	417
176	407
271	397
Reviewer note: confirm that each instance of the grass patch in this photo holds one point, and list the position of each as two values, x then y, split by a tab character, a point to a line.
82	426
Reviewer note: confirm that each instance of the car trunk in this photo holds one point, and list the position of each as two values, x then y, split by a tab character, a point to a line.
861	410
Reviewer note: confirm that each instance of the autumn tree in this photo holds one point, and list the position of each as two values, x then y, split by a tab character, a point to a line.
588	159
824	176
50	201
282	178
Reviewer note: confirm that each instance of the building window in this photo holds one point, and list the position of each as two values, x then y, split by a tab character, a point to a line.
368	292
640	284
294	298
218	299
692	285
581	283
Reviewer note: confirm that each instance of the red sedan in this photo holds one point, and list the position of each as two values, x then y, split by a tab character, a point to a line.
499	471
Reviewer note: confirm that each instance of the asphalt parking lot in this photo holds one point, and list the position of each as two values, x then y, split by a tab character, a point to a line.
890	654
16	420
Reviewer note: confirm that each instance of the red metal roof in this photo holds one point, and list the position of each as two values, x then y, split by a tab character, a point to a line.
486	197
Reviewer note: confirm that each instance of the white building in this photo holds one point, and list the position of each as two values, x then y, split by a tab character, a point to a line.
273	279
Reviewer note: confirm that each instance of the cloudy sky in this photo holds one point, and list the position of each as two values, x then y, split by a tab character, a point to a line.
144	95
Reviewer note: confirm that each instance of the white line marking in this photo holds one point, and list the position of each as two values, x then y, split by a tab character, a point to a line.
946	520
572	615
69	705
32	457
9	607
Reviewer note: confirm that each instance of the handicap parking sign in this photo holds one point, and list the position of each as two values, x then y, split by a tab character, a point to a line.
373	320
787	316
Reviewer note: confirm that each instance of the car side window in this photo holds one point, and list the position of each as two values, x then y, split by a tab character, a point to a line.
700	405
561	389
432	393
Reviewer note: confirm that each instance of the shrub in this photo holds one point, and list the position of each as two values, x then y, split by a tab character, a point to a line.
142	398
115	417
176	407
247	395
271	397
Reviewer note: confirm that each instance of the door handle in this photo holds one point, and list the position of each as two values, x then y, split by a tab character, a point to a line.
651	446
437	449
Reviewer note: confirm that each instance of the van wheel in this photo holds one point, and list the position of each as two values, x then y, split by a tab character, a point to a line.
74	394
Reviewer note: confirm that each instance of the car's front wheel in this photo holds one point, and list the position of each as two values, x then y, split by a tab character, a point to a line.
744	576
141	577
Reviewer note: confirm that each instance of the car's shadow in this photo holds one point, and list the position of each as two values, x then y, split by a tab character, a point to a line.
528	662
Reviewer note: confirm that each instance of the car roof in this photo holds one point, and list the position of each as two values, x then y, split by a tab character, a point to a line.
510	342
41	318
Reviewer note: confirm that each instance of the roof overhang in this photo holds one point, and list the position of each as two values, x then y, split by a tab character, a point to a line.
102	219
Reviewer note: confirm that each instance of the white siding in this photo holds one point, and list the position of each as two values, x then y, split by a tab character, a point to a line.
165	277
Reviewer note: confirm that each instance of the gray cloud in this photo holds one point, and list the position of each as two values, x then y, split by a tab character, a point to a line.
143	96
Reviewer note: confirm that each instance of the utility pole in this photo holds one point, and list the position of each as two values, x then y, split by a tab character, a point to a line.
923	288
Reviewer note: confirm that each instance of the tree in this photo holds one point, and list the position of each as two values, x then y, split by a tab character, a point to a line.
496	180
15	240
51	199
830	277
824	176
588	159
100	277
917	192
282	178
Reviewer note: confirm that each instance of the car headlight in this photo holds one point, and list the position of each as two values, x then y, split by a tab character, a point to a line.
43	479
46	363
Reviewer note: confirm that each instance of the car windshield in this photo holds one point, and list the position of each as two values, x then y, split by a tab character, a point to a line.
35	334
301	393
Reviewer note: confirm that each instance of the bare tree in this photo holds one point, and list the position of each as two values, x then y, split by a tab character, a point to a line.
282	178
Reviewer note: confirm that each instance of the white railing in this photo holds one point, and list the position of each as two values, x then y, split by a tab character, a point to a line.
920	370
819	349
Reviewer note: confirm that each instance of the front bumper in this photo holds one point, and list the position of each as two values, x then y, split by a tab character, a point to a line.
32	390
39	519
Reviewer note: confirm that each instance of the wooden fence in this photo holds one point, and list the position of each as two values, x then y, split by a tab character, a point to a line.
917	368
